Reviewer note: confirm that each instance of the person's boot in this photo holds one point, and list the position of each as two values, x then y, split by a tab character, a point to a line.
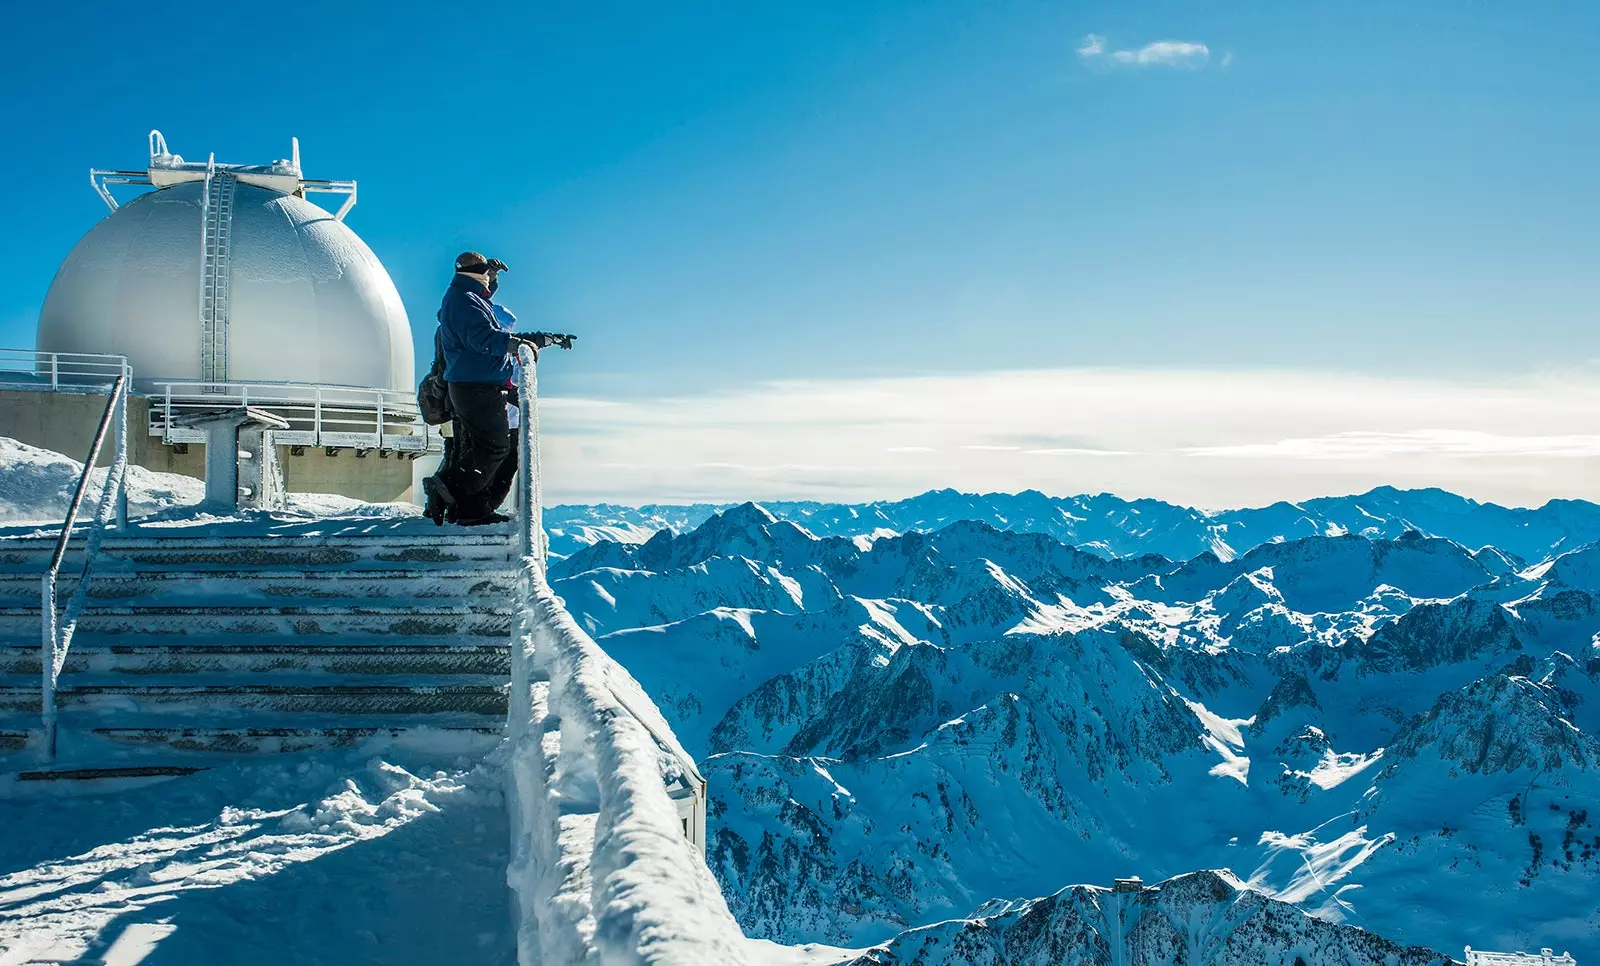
438	502
484	520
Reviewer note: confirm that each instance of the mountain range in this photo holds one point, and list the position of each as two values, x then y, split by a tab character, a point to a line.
1120	528
939	740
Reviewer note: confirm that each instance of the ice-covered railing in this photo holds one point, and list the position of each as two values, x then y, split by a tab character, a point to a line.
327	416
56	629
55	371
607	810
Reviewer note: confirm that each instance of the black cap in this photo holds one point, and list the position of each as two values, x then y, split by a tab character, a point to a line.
471	262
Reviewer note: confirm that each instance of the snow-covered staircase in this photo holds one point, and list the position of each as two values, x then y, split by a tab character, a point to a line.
255	640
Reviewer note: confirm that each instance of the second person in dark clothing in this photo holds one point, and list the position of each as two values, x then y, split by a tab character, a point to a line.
478	364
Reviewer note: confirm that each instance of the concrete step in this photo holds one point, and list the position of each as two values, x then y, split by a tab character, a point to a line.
224	638
413	657
269	739
261	734
267	586
341	618
297	551
220	700
110	773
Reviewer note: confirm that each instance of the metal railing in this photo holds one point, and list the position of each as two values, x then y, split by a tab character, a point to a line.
328	416
616	754
689	791
57	371
56	629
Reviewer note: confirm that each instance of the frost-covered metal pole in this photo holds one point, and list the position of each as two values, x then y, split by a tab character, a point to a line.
119	465
530	492
56	636
47	663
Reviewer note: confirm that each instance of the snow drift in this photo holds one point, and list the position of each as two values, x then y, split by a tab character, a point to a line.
600	863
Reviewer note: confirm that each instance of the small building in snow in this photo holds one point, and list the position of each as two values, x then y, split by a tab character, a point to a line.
1479	957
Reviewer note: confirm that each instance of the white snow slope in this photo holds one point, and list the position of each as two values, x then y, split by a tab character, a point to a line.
394	852
1398	734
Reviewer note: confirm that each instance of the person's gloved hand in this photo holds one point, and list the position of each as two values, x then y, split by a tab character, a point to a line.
545	339
518	339
542	340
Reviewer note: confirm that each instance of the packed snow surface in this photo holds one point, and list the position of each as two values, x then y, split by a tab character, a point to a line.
393	852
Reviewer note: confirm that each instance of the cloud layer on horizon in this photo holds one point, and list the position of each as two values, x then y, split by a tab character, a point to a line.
1205	438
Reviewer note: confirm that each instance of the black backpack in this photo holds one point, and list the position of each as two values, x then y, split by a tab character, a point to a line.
433	396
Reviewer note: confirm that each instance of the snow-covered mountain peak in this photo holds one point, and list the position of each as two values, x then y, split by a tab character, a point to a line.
1292	693
1206	918
1578	569
1500	723
1243	594
911	725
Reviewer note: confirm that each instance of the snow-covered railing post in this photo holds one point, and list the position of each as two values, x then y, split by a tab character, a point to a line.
530	492
601	866
121	457
606	862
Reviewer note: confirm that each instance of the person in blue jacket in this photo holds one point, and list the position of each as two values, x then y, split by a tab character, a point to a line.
479	360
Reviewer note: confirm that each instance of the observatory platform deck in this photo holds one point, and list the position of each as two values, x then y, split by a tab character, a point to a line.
206	636
65	421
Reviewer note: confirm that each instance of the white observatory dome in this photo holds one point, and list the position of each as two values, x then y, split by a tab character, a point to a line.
306	301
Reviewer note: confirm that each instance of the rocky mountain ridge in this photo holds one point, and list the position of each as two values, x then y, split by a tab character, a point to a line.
1115	527
1396	733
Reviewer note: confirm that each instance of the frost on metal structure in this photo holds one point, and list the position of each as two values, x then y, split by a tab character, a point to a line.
606	866
217	228
226	273
607	809
1545	957
167	169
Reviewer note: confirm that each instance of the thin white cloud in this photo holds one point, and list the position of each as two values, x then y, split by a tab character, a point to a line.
1161	53
1165	53
1207	438
1075	451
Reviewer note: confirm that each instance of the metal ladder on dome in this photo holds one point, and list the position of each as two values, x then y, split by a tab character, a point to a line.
216	246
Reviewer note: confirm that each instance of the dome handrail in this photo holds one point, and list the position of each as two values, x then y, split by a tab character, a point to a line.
100	179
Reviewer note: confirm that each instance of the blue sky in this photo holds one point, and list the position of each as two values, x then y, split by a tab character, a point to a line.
726	196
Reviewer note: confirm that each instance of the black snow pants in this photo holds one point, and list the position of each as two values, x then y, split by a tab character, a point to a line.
482	448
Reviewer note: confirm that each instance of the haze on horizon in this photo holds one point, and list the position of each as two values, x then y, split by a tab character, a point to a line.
1214	255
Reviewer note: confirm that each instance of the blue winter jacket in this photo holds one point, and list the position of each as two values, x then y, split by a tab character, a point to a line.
477	348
